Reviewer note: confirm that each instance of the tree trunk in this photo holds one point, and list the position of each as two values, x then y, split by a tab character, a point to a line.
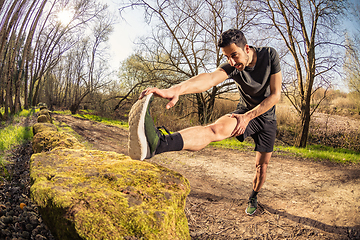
205	106
201	109
301	140
28	56
8	98
1	5
26	99
6	27
24	57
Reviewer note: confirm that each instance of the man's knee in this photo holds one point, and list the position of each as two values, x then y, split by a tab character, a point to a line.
219	131
223	127
261	168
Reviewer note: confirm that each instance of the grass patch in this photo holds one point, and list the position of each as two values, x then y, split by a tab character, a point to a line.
66	112
63	127
104	120
233	143
318	152
323	153
96	118
13	134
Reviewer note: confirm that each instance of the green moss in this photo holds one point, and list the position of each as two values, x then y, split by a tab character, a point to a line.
48	140
44	116
43	127
109	196
43	119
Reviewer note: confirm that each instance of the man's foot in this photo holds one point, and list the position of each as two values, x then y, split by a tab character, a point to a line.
252	205
143	135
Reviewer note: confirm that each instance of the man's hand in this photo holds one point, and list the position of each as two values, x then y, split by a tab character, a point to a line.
242	122
169	94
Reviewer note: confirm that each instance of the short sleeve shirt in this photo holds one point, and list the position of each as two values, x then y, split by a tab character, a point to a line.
254	83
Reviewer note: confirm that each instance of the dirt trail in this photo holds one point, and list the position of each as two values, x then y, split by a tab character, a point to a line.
301	199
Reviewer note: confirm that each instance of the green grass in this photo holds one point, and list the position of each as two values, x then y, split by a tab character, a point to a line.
11	134
14	135
66	112
320	152
233	143
317	152
63	127
96	118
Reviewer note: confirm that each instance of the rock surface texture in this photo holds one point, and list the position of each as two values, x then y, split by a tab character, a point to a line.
90	194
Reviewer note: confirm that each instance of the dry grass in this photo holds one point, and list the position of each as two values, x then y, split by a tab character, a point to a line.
224	106
343	105
184	115
344	102
286	115
176	118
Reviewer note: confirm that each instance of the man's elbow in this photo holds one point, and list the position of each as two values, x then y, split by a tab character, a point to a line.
276	97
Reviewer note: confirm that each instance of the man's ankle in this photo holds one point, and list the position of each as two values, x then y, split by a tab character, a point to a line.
171	142
253	194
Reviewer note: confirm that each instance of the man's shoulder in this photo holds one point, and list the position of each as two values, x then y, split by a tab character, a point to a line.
228	68
265	50
269	53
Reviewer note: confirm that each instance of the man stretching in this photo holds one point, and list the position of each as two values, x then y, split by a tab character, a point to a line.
257	74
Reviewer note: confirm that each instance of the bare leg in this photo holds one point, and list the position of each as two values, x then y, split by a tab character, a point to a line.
262	161
196	138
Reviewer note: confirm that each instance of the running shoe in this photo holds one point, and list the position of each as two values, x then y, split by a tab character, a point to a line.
143	135
252	205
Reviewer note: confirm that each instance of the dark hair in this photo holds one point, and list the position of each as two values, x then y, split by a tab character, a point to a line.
232	36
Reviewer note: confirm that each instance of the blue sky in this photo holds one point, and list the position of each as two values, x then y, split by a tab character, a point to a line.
121	41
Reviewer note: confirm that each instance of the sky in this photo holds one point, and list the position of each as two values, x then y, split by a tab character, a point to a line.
121	41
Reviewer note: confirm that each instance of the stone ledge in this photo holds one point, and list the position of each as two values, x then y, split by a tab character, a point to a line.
90	194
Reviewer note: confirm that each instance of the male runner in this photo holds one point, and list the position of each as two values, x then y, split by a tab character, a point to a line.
257	74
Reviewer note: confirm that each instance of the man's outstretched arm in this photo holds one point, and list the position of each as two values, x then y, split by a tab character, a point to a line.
196	84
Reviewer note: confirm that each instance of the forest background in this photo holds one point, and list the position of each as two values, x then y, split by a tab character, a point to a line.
56	52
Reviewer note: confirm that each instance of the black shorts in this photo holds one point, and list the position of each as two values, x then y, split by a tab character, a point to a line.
262	130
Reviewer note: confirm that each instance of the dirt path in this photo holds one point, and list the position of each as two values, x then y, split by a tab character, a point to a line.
301	199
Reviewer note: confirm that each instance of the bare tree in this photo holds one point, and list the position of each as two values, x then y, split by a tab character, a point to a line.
138	73
9	49
27	48
32	42
54	39
352	66
306	28
82	71
352	55
184	40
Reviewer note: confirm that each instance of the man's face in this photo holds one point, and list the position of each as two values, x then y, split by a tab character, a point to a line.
236	56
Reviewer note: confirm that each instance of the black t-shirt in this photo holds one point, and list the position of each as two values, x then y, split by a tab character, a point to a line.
254	83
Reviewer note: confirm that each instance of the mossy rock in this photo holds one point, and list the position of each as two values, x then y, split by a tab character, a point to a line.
43	119
44	111
44	116
49	140
89	194
44	127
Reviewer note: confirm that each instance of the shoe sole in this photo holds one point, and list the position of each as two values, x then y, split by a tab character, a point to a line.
138	146
249	213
